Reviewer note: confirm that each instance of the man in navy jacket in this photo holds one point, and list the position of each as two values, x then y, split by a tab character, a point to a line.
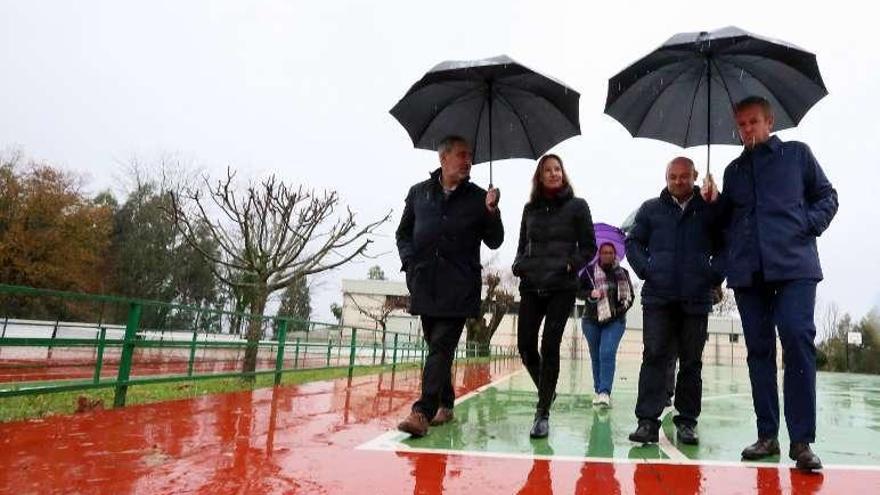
671	246
776	201
444	221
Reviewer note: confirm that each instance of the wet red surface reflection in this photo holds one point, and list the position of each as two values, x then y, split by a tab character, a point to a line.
302	439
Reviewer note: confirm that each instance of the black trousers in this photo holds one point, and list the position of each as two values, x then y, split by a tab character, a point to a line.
441	335
665	329
554	308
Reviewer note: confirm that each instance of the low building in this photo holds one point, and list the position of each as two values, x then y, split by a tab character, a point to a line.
364	300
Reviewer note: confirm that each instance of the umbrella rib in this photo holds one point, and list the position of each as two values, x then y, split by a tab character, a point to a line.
522	123
726	90
477	130
458	98
694	99
540	96
671	82
731	61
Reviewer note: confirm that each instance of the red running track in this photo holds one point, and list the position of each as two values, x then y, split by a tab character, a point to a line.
302	439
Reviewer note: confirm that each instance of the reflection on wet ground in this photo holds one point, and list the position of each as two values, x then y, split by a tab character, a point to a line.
304	439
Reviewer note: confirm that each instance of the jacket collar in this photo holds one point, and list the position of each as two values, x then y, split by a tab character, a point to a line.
773	144
666	197
437	173
562	196
435	179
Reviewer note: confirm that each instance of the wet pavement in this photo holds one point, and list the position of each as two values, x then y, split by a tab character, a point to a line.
310	439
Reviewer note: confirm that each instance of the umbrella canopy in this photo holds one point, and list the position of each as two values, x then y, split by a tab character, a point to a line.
606	233
505	109
684	91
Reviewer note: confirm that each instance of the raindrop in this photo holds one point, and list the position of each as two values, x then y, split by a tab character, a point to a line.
741	72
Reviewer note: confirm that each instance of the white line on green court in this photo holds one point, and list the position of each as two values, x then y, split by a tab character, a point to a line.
386	444
390	440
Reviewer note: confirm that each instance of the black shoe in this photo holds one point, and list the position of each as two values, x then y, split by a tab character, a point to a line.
647	432
541	426
686	434
764	447
804	458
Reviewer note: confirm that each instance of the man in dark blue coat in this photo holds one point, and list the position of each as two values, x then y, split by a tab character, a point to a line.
444	221
776	202
671	246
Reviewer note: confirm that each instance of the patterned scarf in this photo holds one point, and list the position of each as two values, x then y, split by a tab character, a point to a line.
624	295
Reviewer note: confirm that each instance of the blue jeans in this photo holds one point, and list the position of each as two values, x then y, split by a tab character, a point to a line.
603	340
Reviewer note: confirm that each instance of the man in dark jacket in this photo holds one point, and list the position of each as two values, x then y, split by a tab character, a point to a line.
776	201
444	221
672	246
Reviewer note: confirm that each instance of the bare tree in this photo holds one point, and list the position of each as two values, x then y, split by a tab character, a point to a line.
380	313
496	303
830	322
273	234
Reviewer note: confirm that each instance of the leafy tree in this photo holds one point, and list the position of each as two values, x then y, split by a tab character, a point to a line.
376	273
153	261
296	303
52	235
337	312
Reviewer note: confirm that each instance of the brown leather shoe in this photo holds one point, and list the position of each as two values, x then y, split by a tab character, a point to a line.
443	416
803	456
416	424
764	447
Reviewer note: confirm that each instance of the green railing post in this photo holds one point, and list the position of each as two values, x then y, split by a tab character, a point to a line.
394	353
296	354
99	359
192	353
351	352
279	358
128	343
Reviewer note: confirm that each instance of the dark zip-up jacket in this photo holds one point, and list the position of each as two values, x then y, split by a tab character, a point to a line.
675	252
776	202
438	240
556	240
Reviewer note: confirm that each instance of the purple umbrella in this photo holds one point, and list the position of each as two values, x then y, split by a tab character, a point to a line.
607	234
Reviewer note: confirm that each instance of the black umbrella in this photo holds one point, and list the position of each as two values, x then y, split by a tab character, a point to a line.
505	109
683	92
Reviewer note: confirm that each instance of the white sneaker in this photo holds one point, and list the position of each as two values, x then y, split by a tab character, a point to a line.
604	399
597	399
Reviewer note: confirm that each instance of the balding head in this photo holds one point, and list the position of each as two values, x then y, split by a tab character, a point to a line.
680	177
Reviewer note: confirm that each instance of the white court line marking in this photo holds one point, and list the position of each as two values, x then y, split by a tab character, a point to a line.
670	450
390	442
487	386
605	460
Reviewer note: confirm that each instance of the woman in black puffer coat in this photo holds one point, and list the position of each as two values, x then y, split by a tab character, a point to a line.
555	240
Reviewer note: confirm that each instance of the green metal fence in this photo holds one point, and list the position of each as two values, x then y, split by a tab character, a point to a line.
55	341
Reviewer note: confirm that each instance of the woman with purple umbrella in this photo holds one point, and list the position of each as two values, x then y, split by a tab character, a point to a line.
608	291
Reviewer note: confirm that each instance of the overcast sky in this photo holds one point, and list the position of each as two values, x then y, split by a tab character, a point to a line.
303	89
